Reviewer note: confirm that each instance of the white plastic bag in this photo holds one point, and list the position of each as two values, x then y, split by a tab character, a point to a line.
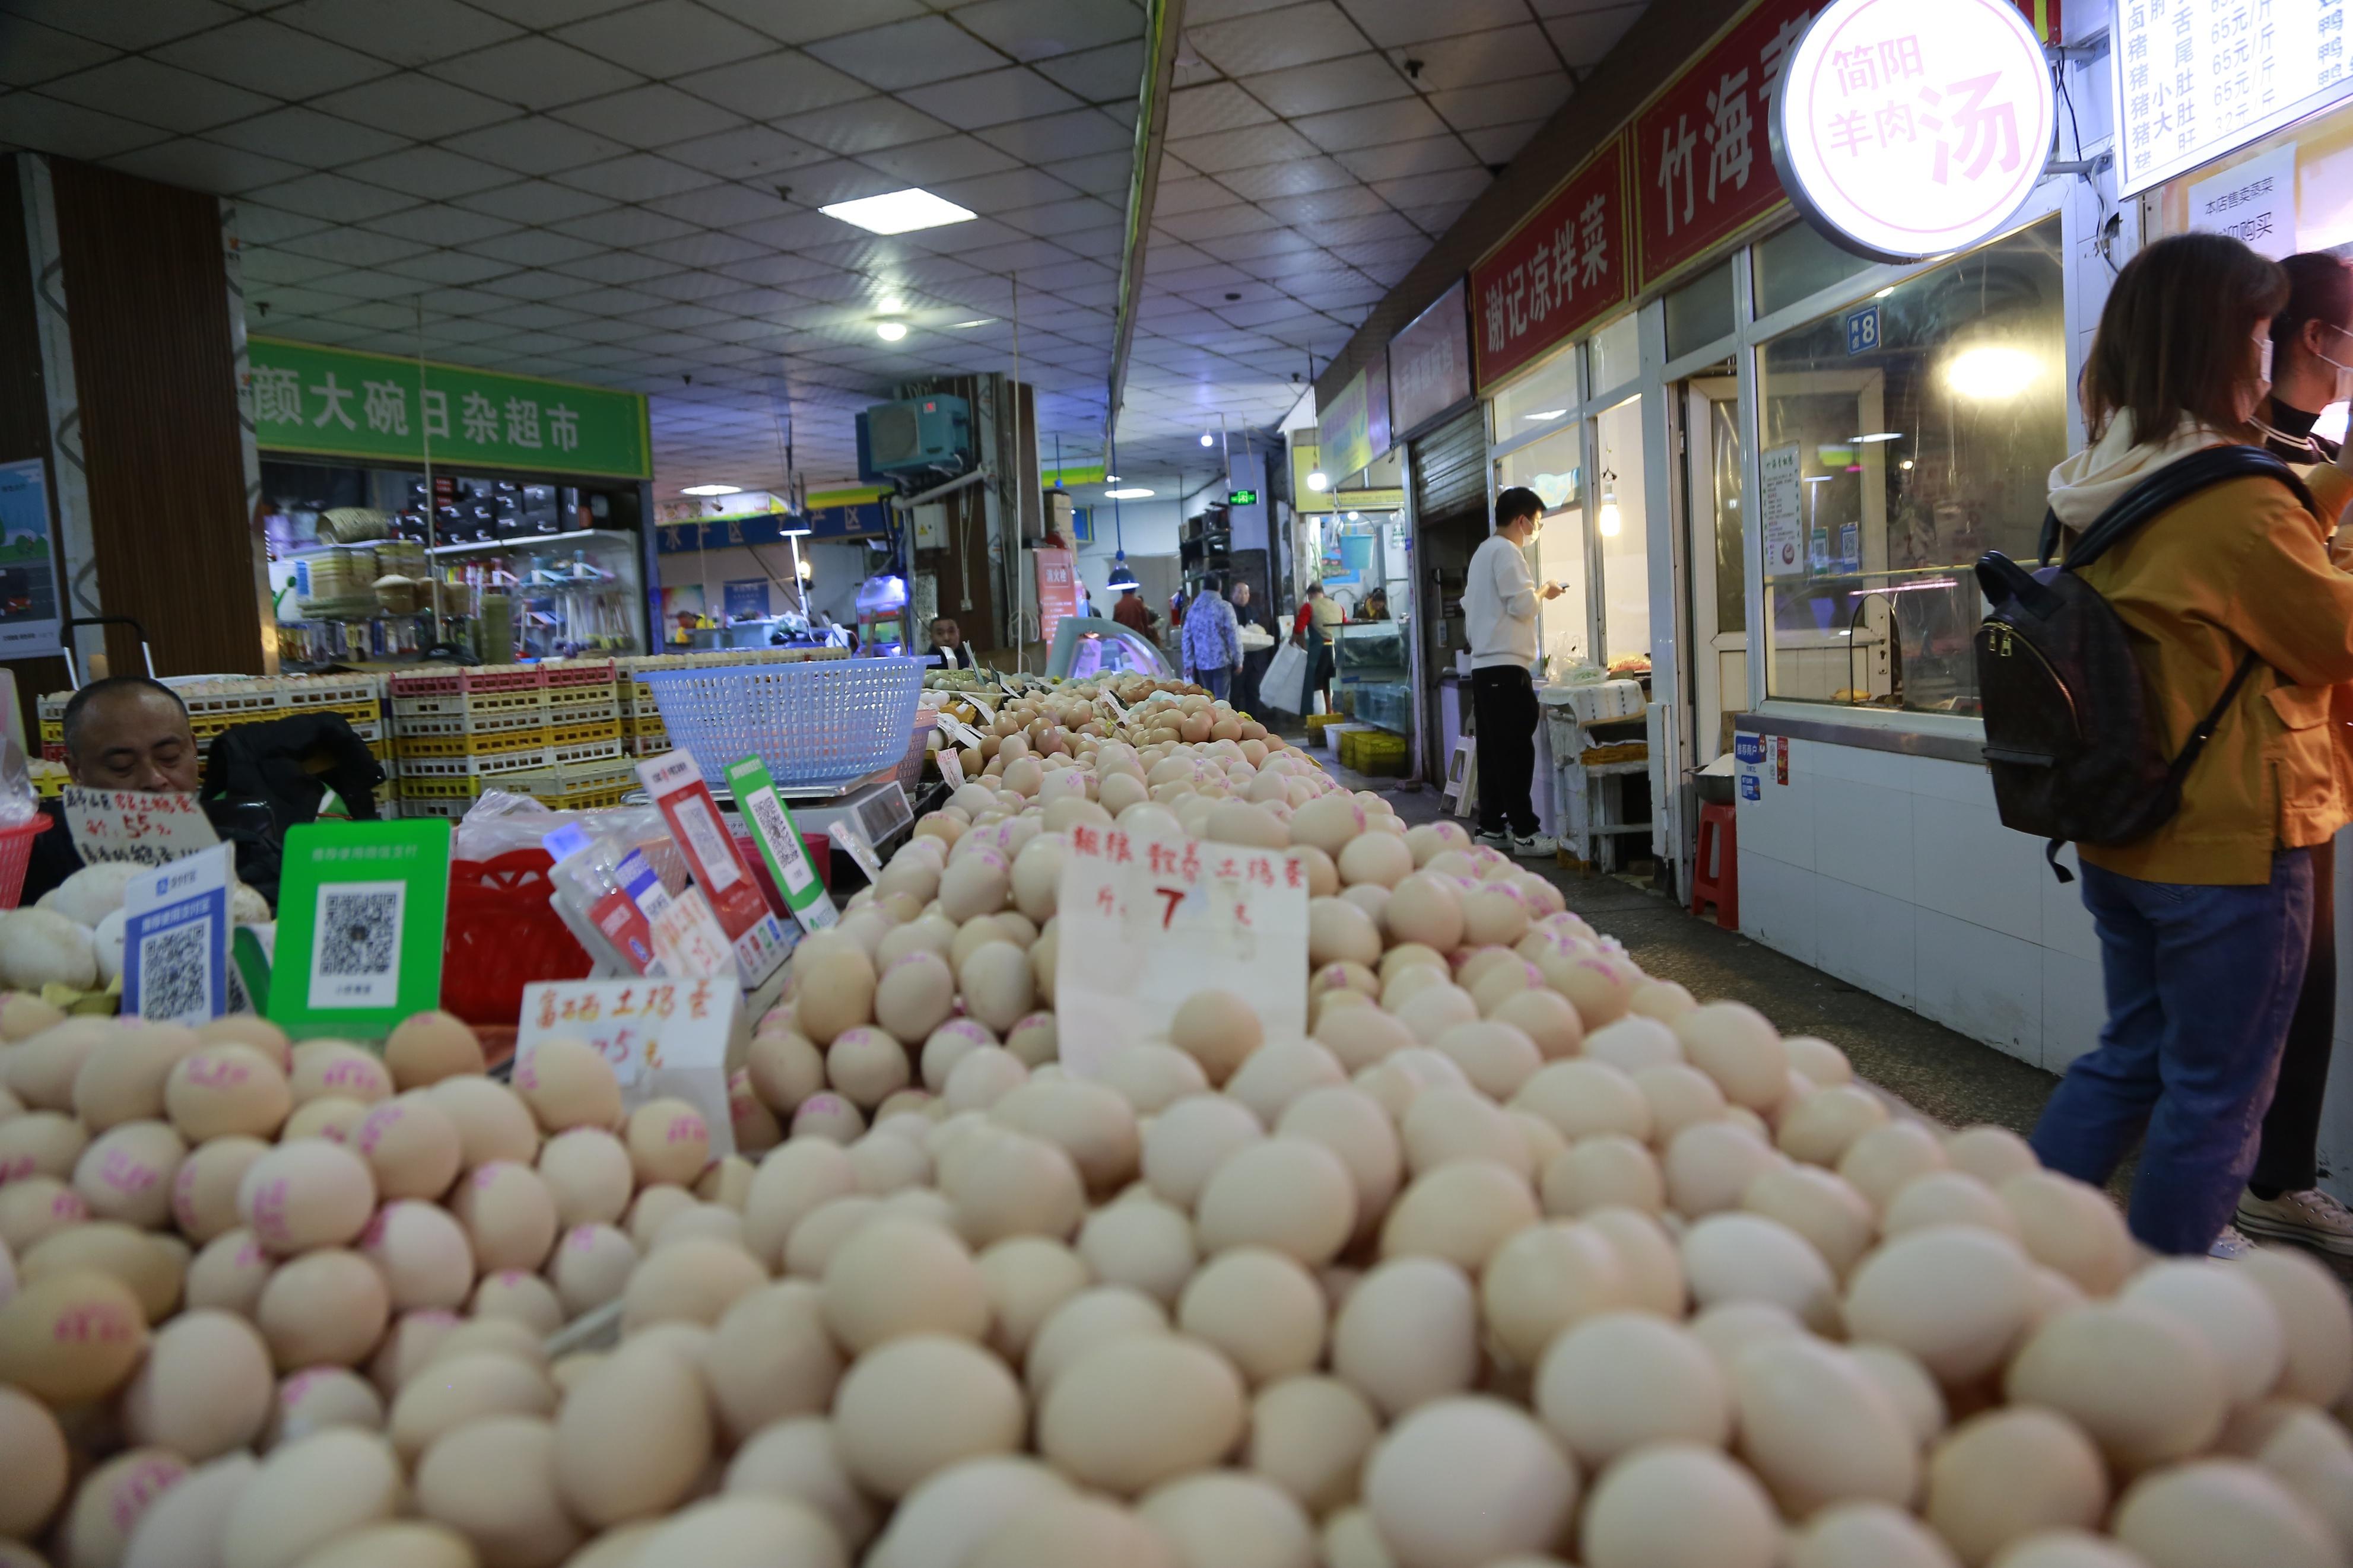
1285	678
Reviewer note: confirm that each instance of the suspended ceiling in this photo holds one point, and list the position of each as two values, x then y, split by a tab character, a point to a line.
623	192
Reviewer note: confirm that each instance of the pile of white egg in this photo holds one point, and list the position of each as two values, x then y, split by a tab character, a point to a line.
1518	1257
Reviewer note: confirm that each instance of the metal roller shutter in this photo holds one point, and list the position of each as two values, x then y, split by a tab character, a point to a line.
1449	469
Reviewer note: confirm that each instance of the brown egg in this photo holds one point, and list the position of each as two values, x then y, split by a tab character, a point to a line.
411	1147
248	1029
694	1280
146	1264
898	1276
205	1388
591	1266
2071	1227
32	1207
227	1090
112	1500
127	1172
493	1481
630	1442
780	1361
1218	1030
568	1083
305	1195
499	1336
1408	1333
228	1274
509	1216
587	1172
1881	1163
493	1122
917	1405
1461	1212
322	1399
39	1143
423	1254
1955	1297
327	1308
24	1015
452	1393
71	1336
308	1493
2007	1474
337	1068
1288	1193
426	1048
668	1142
40	1069
2137	1380
1545	1279
122	1079
33	1457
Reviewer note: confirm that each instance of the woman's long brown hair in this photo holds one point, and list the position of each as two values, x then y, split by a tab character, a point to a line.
2176	338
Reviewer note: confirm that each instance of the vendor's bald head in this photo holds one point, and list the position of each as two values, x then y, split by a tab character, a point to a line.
130	733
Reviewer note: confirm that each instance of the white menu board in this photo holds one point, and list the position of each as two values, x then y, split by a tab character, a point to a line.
2195	79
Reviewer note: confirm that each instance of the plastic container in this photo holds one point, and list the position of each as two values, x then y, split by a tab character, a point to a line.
16	856
812	723
503	934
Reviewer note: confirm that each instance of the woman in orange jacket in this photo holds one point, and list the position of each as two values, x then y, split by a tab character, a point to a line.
2204	923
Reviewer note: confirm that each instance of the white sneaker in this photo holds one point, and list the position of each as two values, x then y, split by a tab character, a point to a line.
1502	841
1537	846
2310	1217
2230	1246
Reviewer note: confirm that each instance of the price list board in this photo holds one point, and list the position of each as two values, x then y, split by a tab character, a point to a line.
2197	78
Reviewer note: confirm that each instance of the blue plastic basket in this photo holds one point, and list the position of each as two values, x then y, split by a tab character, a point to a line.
825	721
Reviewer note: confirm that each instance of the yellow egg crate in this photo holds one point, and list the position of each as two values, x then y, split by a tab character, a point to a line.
412	747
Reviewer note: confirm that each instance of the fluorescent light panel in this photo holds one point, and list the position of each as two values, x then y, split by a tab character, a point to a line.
899	212
713	490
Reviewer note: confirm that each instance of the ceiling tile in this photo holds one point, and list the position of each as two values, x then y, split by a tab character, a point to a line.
1270	41
991	193
1587	34
352	247
536	145
261	264
720	206
664	37
614	267
535	284
1400	119
540	14
1435	220
1252	144
792	231
1504	54
534	201
650	117
1040	29
1502	102
439	225
636	178
535	72
1330	206
447	267
696	250
125	24
1052	137
865	126
1099	75
31	53
412	32
201	165
1295	178
1057	219
157	94
333	197
991	98
433	173
1216	106
1399	159
624	227
752	152
773	84
421	107
1502	144
1258	242
308	136
534	247
1190	196
1208	225
1350	82
1101	174
259	54
948	158
837	180
260	225
908	54
1392	22
803	24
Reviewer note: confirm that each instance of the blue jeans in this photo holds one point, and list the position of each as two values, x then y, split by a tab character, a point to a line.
2202	982
1215	681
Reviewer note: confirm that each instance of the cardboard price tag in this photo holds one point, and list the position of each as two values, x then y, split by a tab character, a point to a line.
144	829
1151	921
664	1038
175	939
686	803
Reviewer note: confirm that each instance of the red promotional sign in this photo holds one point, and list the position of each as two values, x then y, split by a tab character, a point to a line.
1702	163
1057	592
1560	271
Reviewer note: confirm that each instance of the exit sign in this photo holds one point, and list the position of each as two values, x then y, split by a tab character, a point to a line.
1241	497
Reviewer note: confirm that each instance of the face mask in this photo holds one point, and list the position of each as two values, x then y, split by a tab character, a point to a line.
2253	399
2343	391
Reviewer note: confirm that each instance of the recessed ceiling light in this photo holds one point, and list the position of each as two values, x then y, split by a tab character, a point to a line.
1319	480
1111	478
713	490
890	332
1132	493
900	212
1208	439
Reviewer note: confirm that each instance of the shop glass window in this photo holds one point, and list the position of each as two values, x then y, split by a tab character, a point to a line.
1796	263
1553	468
1616	355
1542	399
1700	311
1902	438
1623	535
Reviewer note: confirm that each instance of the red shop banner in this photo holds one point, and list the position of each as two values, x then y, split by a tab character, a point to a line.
1703	153
1560	272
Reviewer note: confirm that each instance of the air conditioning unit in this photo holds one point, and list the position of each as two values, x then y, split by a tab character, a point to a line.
913	435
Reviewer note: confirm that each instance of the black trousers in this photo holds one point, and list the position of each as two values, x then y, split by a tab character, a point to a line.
1503	712
2289	1160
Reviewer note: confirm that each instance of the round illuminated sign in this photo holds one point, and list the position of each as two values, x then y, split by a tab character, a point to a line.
1909	128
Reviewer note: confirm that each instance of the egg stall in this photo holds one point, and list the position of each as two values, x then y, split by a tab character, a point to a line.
1451	1240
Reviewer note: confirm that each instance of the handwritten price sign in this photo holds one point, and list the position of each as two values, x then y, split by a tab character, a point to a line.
144	829
664	1037
1151	921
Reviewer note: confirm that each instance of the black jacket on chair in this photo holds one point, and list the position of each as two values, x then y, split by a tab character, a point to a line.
270	762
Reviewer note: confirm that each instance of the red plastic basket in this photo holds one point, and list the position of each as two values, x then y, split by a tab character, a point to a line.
502	935
16	856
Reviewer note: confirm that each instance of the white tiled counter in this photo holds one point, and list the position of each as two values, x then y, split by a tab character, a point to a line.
1891	870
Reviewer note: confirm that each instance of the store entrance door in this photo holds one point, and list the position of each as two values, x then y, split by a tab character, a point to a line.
1716	678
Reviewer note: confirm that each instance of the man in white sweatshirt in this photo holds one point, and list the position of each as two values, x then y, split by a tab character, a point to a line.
1499	612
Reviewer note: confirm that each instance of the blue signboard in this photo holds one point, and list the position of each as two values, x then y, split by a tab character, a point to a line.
866	520
746	599
1862	330
1748	748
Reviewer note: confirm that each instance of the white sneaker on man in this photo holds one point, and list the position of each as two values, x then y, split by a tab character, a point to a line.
2310	1217
1497	841
2230	1246
1536	847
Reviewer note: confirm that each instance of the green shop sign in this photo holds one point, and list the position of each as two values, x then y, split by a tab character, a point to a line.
338	403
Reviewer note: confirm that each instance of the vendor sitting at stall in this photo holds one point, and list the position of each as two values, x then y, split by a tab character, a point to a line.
949	647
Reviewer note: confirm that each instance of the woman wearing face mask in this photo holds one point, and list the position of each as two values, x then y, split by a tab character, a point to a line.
2228	593
2312	367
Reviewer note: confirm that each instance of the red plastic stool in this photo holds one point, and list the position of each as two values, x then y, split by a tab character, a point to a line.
1719	829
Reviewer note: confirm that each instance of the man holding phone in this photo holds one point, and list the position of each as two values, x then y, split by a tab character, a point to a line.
1499	612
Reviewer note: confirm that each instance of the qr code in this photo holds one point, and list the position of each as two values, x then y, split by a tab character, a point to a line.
356	947
778	831
175	974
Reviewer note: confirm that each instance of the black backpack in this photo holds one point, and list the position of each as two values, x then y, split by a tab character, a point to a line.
2075	752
